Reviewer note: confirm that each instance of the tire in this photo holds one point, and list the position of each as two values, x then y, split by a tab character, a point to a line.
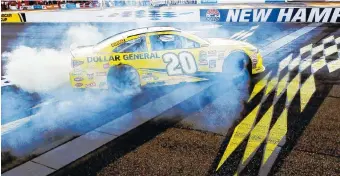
237	64
123	78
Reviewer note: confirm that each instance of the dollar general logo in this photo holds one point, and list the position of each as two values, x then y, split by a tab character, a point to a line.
272	131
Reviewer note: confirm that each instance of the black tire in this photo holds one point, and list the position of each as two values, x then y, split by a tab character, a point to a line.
237	64
123	78
237	69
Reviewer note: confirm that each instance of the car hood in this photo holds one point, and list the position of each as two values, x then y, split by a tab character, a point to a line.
228	42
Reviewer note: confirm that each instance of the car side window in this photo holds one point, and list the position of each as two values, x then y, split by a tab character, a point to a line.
134	45
188	44
171	42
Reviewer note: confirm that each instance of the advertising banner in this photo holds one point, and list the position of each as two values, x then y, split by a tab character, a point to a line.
315	15
208	1
26	7
37	7
52	7
71	6
13	18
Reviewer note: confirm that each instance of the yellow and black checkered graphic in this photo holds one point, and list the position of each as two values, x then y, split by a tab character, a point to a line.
263	130
13	18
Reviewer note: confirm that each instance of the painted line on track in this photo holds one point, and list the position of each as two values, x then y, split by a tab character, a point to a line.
287	39
13	125
77	148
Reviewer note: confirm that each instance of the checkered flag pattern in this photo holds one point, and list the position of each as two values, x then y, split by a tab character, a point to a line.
324	53
295	75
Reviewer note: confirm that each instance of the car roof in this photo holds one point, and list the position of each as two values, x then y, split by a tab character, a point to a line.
148	30
132	32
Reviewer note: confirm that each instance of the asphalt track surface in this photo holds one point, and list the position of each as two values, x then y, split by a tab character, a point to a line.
191	138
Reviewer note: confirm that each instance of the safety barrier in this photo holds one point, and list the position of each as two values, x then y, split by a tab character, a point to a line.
121	3
13	17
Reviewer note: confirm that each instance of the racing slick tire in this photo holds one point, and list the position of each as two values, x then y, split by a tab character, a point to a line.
123	78
236	65
237	68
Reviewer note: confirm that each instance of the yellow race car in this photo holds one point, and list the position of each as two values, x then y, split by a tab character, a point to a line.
159	56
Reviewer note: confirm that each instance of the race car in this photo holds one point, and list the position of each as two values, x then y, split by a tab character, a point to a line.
159	56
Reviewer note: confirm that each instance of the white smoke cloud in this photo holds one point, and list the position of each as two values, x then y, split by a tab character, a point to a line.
37	70
44	69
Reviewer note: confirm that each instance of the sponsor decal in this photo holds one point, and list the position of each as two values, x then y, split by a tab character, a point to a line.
203	55
212	63
303	15
78	79
117	42
254	62
77	73
76	70
212	53
13	18
103	58
253	65
141	56
93	84
254	56
213	15
76	63
106	66
79	84
101	74
220	55
90	76
203	62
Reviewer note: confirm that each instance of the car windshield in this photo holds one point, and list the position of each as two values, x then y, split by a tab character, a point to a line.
199	39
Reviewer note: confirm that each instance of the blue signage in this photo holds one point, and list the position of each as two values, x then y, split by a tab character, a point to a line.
302	15
37	7
208	1
71	6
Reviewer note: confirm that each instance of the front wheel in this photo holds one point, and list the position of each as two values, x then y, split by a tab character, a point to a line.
123	78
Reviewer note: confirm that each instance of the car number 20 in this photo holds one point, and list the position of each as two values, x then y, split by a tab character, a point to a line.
183	63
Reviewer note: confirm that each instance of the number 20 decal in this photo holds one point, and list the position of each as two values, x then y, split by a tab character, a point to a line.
179	64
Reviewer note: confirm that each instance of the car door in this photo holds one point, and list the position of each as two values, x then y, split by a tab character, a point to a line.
178	53
133	51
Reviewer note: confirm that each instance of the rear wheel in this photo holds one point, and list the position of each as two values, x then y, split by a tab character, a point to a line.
237	68
123	78
237	65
